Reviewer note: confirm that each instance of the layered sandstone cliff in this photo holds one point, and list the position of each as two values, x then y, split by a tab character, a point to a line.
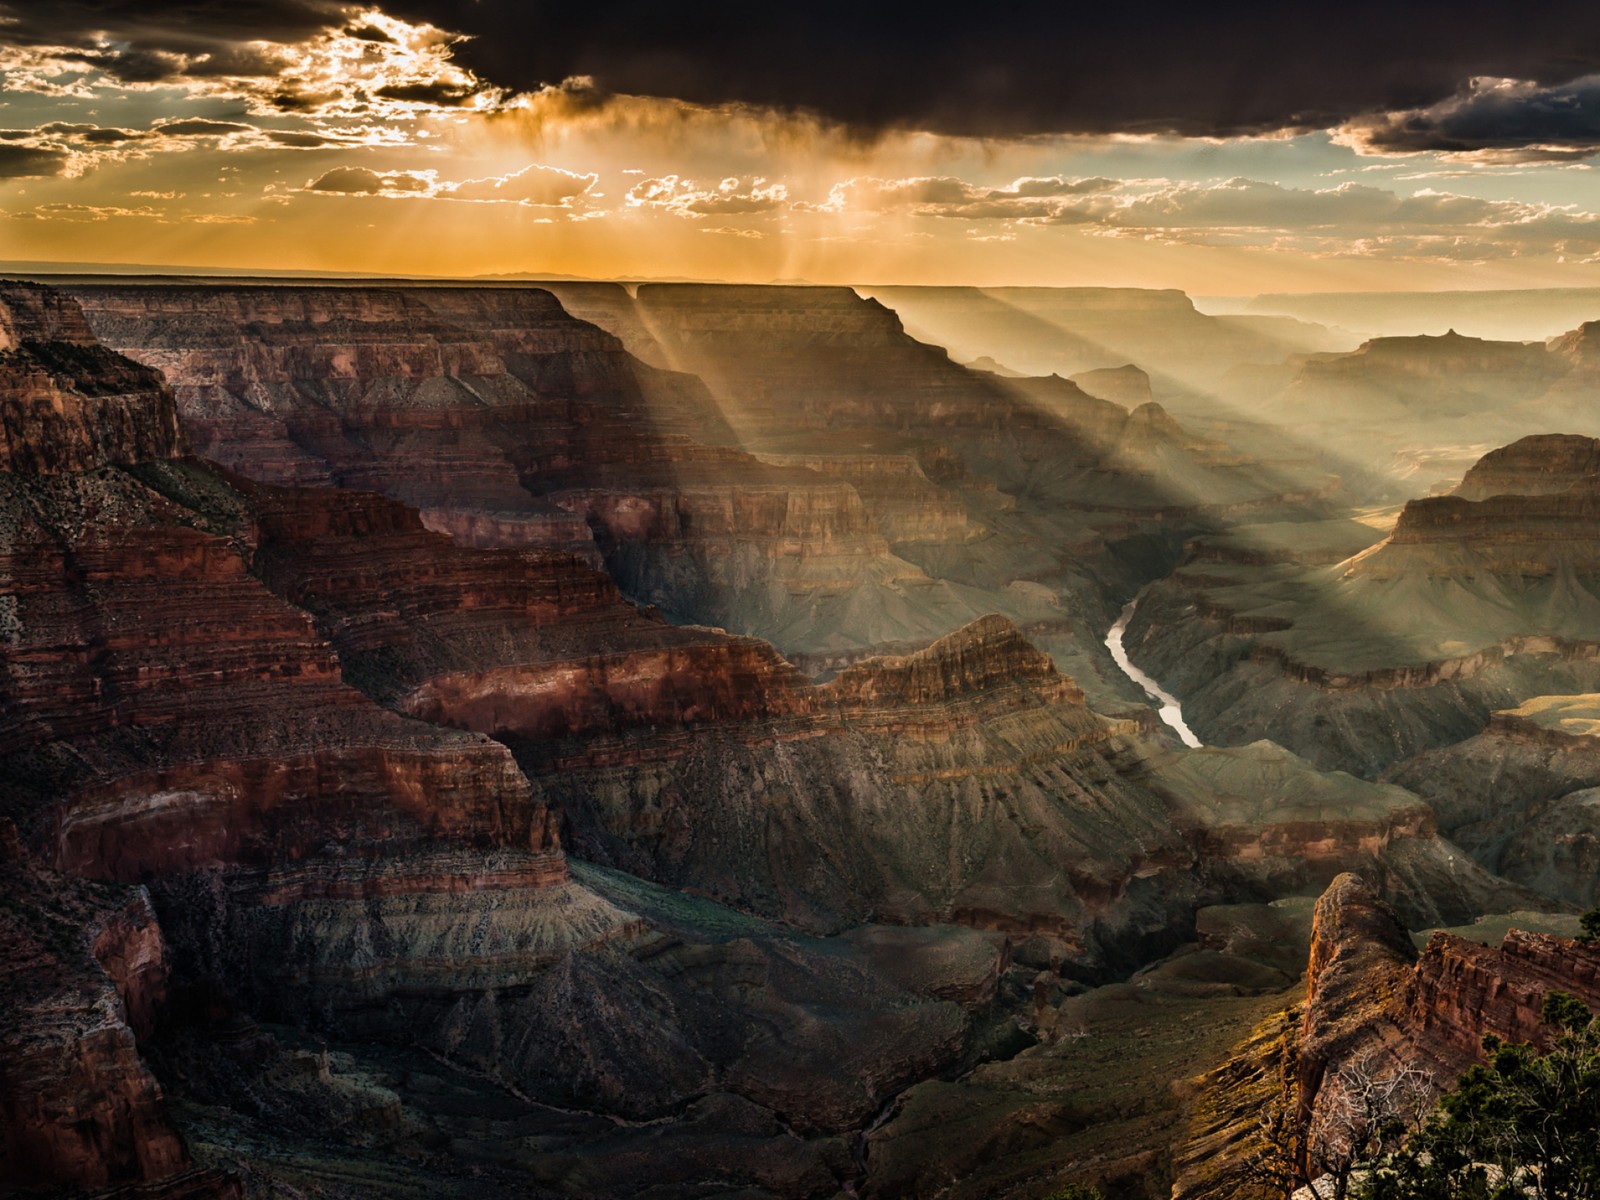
509	423
71	404
1542	464
176	711
1372	997
1519	796
83	975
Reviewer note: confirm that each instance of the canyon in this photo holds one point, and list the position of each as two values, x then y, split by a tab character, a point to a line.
598	740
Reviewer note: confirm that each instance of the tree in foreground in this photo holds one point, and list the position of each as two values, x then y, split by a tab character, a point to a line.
1524	1125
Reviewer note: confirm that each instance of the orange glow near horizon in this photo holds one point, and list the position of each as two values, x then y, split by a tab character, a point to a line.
394	160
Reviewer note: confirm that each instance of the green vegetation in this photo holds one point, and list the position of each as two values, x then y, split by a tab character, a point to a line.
1524	1125
1590	923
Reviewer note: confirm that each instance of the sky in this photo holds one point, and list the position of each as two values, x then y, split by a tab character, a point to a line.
1225	149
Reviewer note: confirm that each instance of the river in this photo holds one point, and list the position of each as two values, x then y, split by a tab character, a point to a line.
1171	710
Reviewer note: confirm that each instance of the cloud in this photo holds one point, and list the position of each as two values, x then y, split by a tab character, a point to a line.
359	181
1349	220
1497	119
64	211
537	185
533	186
85	134
1031	67
27	162
199	127
1052	198
1354	220
314	57
730	197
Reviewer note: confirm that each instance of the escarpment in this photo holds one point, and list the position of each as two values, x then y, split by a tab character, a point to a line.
1373	999
83	970
508	423
1532	466
71	405
1369	992
529	644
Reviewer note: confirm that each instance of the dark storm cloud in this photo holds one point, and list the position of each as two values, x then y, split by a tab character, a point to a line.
92	135
1024	68
24	162
1002	69
149	40
433	92
1497	117
200	127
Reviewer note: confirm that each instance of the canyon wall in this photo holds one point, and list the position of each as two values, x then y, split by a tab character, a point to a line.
1469	606
1373	997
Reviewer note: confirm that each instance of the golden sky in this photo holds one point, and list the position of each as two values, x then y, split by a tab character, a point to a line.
366	144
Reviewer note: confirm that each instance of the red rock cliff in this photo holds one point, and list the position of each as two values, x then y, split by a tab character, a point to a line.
70	405
82	974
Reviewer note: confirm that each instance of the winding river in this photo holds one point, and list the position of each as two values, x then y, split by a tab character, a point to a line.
1171	710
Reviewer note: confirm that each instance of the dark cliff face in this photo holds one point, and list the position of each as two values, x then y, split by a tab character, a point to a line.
71	405
83	972
1369	991
1372	997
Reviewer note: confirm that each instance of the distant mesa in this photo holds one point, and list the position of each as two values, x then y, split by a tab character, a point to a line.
1126	385
985	363
1540	464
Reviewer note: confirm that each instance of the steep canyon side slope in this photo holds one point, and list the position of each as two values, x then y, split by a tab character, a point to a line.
300	742
1371	997
315	859
1470	605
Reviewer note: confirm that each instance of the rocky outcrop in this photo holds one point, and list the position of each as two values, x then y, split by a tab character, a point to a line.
1540	465
978	659
70	405
83	972
1581	345
1371	996
1126	385
1369	991
1525	536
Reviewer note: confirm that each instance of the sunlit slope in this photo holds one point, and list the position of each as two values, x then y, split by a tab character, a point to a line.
1468	606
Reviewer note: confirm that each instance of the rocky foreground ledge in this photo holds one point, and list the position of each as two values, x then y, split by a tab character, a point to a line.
1371	994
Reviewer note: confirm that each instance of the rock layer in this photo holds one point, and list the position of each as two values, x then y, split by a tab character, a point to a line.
1371	996
83	971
